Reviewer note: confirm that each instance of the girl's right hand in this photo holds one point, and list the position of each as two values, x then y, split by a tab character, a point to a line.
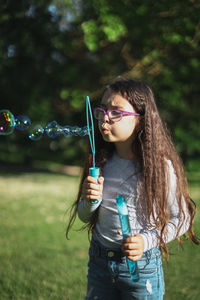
92	188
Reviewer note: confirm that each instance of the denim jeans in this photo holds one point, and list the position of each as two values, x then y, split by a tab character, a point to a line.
109	278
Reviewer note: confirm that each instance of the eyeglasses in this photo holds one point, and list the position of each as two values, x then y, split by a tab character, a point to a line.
114	115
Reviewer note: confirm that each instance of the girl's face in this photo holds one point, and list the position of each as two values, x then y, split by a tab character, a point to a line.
123	130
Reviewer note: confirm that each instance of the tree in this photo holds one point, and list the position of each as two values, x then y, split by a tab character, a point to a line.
54	53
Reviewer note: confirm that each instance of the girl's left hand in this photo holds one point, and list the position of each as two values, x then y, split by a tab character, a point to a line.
133	247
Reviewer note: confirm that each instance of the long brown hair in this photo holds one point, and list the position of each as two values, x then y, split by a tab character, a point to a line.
154	147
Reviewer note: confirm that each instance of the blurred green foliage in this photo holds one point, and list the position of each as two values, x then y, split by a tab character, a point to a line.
54	53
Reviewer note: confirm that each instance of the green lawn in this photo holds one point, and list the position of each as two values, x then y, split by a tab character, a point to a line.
37	262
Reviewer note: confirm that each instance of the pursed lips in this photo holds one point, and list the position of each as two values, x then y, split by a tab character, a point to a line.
104	129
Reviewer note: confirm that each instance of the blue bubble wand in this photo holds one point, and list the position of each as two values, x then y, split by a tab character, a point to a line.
93	171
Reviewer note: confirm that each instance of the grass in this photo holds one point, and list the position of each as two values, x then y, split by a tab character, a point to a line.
37	262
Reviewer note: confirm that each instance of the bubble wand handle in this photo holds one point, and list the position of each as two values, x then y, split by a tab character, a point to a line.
94	171
126	232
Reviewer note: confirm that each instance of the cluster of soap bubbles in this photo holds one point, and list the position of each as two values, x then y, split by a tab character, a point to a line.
8	123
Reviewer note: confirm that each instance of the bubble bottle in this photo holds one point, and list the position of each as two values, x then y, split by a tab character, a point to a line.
126	232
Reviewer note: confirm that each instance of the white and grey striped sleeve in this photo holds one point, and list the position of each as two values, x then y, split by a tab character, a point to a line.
85	210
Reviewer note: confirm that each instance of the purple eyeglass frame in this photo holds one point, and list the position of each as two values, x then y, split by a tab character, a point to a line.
122	112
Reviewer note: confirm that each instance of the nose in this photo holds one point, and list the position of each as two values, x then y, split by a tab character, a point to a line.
106	118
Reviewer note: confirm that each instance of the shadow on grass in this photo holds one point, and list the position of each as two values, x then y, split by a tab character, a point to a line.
9	170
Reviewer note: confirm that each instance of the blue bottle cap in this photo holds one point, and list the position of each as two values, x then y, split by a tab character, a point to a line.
94	172
120	200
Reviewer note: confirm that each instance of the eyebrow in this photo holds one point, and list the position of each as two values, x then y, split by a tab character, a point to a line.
112	106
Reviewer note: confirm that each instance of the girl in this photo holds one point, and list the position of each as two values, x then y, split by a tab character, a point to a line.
137	160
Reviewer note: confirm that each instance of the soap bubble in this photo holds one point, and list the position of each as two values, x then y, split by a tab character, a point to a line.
75	130
22	122
53	129
84	131
7	122
37	133
66	131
